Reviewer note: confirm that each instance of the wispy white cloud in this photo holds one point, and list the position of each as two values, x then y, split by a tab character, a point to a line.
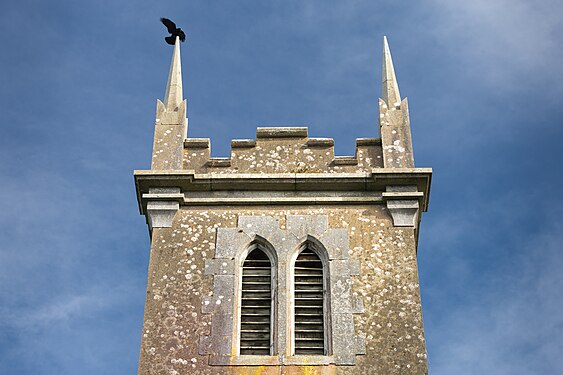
505	44
514	326
61	309
68	185
492	284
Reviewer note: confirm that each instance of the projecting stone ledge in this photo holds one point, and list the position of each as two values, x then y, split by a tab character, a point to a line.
293	132
197	143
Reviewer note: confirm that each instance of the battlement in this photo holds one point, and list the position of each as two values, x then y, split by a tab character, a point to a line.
282	150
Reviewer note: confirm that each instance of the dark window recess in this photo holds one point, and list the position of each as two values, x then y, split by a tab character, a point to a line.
256	307
309	321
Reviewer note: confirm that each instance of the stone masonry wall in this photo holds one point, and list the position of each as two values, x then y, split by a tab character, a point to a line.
179	288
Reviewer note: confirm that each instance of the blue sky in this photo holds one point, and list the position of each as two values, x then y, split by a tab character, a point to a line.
79	81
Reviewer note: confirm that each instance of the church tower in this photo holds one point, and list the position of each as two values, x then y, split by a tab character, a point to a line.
283	258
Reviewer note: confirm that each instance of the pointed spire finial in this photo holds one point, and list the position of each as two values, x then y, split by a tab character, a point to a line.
390	92
173	96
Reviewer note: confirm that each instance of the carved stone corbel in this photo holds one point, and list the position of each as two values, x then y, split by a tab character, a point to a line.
403	205
161	214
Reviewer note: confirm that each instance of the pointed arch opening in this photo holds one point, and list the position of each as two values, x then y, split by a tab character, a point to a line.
310	304
257	303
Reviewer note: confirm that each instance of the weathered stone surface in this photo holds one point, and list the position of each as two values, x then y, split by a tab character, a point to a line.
285	151
219	266
404	212
303	225
274	192
230	241
384	298
394	123
161	214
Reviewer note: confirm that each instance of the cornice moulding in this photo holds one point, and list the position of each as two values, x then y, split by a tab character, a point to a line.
312	188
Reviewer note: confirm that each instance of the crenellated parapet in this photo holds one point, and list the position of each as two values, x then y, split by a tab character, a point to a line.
282	150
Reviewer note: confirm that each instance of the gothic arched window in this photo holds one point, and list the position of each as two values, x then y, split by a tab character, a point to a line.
257	298
309	303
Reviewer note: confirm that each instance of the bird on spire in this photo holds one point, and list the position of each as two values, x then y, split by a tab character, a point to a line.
174	31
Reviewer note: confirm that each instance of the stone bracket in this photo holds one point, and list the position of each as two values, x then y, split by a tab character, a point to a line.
162	205
403	212
403	203
161	213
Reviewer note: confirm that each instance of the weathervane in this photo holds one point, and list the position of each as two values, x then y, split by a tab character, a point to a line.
174	32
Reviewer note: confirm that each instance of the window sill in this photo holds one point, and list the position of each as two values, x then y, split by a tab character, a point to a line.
266	360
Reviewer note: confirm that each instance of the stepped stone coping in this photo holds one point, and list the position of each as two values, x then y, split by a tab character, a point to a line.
345	160
243	143
320	142
219	162
292	132
197	143
368	141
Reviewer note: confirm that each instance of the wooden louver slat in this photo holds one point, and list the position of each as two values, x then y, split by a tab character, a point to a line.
309	295
255	336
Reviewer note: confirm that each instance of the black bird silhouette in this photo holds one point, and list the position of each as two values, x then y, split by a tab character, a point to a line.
173	30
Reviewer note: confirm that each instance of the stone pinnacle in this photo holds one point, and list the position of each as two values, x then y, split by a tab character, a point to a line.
390	90
173	96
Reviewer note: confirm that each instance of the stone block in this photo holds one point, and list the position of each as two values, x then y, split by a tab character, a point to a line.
282	132
221	325
204	345
303	225
359	345
354	267
243	143
343	344
221	345
161	213
339	267
403	212
345	360
223	293
262	225
336	243
207	306
219	267
229	242
342	326
194	143
357	305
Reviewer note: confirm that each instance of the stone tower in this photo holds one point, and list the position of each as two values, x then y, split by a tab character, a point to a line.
283	258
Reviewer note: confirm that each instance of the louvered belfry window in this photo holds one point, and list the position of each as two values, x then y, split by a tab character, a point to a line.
309	302
256	307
